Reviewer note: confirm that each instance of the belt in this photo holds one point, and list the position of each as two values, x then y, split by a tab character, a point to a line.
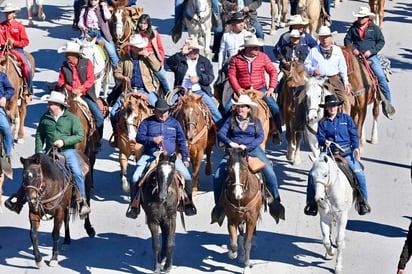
137	88
94	29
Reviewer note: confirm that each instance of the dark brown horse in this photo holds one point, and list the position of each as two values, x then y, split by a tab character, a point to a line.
22	94
134	109
364	88
160	195
50	192
200	131
242	202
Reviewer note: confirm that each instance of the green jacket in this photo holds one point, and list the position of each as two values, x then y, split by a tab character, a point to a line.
66	128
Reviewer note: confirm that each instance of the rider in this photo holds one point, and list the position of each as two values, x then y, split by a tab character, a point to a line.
77	76
13	34
161	132
60	128
327	59
6	93
367	39
241	77
242	129
338	129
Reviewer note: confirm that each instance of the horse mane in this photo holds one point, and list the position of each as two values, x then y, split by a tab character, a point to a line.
49	169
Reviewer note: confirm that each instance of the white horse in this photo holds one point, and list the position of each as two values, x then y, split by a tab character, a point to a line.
315	95
101	64
197	18
335	197
35	7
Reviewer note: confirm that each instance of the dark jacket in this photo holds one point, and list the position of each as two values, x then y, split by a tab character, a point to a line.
373	40
406	250
6	89
204	69
306	42
286	53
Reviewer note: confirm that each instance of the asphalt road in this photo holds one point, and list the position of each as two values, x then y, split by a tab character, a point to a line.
373	242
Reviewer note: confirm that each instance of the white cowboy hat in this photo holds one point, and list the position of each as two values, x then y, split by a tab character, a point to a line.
294	34
10	8
194	44
297	20
136	40
253	41
71	47
55	97
363	12
325	31
245	100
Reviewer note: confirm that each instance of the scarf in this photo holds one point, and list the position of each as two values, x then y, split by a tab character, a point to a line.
243	123
327	53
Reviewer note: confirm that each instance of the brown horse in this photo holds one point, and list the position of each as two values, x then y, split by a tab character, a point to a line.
242	202
378	8
200	131
312	10
278	12
50	193
22	94
292	108
364	89
134	109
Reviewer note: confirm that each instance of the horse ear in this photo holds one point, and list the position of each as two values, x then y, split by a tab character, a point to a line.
22	160
325	158
173	157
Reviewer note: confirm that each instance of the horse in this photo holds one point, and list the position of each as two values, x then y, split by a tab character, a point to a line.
35	7
51	193
22	94
278	12
242	202
378	8
160	196
335	197
200	131
292	108
135	108
364	89
197	18
313	10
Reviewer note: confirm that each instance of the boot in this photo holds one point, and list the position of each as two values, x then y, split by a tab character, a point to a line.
388	109
311	208
84	209
134	207
190	208
20	200
277	210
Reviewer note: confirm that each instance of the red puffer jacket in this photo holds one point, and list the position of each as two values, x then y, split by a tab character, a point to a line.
240	77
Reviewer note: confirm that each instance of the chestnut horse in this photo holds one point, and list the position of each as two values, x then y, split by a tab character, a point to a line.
242	199
134	109
314	11
292	108
278	12
50	192
196	120
22	95
378	8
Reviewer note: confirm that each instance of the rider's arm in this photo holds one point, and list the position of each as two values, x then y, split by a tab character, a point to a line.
205	72
23	40
86	85
8	88
259	136
272	71
77	134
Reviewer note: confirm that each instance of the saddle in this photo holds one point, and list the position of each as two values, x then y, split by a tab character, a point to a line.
86	112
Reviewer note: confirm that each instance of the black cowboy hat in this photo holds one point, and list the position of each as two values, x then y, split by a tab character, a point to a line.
331	100
161	105
236	17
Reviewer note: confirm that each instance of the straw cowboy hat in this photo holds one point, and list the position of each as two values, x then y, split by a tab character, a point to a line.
253	41
236	17
325	31
161	105
136	40
297	20
10	8
194	44
364	12
294	34
331	100
70	47
55	97
245	100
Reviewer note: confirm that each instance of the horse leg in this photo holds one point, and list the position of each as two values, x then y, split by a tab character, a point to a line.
233	241
340	240
273	13
171	230
58	220
312	142
375	112
67	238
1	191
250	228
208	39
325	225
298	139
154	230
197	159
88	184
34	227
22	116
289	138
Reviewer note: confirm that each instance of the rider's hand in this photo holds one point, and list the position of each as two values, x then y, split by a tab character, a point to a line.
10	43
3	102
186	163
158	139
316	72
240	91
185	49
269	92
400	271
242	146
348	89
233	144
143	52
356	52
58	143
194	79
77	91
368	53
327	143
246	9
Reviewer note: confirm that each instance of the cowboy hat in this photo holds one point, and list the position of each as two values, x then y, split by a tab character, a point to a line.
297	20
70	47
161	105
294	34
55	97
10	8
325	31
194	44
236	17
363	12
245	100
331	100
253	41
136	40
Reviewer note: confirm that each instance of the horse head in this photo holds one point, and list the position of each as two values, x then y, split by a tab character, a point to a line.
324	173
164	175
191	116
315	95
238	172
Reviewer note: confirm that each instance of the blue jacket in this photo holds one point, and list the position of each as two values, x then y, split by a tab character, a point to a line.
6	89
171	131
252	137
341	130
373	40
306	42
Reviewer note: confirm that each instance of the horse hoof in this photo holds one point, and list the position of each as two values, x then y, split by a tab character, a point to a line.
232	255
329	255
125	186
167	268
40	263
374	141
53	263
297	162
246	270
42	17
90	231
20	141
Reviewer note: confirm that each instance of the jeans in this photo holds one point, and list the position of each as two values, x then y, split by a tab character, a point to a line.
29	68
380	75
268	172
293	7
210	104
326	4
355	166
259	32
163	81
108	45
145	161
74	164
97	114
6	132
